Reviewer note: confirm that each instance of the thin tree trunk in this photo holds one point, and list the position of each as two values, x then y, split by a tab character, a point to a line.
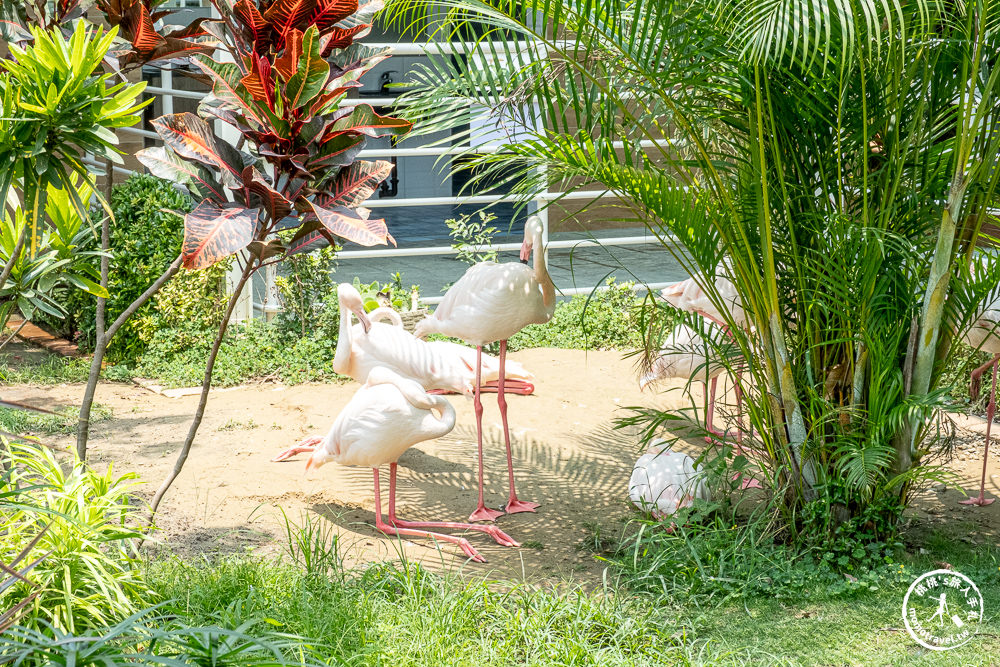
13	335
101	348
14	256
102	303
206	385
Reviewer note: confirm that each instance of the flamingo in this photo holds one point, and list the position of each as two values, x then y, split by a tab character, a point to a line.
516	376
689	295
492	302
983	336
665	481
439	367
683	357
388	415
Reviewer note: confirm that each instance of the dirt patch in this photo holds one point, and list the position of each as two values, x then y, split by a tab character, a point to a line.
230	497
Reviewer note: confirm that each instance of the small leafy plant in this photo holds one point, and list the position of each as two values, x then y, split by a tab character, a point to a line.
85	525
472	239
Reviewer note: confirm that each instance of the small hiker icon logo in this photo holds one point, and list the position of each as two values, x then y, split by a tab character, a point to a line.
942	609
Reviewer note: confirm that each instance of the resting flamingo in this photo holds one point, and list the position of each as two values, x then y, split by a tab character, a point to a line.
663	481
388	415
492	302
983	335
372	343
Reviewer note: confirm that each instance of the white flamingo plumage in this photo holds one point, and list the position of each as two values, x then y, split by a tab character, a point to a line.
691	296
984	335
388	415
492	302
664	481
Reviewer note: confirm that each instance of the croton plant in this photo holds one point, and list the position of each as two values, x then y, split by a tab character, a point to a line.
293	182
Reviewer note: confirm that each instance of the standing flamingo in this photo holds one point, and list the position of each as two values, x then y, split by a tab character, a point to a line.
492	302
683	356
983	335
387	416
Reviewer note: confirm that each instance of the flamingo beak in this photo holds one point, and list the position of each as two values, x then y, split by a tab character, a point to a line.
309	466
525	251
366	323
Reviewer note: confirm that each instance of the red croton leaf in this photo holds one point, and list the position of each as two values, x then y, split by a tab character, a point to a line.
341	38
355	184
259	81
137	26
190	137
329	12
286	15
288	63
258	28
213	232
348	224
165	164
264	196
364	119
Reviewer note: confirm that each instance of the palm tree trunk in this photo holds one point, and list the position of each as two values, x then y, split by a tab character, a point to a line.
206	385
101	349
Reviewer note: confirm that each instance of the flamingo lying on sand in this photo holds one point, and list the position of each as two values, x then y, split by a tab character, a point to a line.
984	336
663	481
492	302
438	366
388	415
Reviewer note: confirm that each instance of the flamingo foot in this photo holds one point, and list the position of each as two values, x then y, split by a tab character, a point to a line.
510	387
306	446
500	537
980	500
514	506
484	513
462	543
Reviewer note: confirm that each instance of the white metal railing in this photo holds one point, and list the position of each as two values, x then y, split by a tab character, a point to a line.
166	92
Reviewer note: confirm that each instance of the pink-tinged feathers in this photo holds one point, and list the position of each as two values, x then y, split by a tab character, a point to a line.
664	481
689	295
388	415
683	357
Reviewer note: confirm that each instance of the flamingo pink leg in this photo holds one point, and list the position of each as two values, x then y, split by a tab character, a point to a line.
713	433
981	500
513	504
500	537
482	513
307	445
388	529
975	376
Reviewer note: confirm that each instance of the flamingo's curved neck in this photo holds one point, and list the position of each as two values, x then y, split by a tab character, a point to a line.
342	357
541	270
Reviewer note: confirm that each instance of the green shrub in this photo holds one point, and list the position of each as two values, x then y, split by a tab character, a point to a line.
308	281
84	522
145	239
605	320
253	351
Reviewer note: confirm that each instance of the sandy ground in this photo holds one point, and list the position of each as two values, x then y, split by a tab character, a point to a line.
568	457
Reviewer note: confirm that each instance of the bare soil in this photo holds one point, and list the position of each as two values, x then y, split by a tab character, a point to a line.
568	457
